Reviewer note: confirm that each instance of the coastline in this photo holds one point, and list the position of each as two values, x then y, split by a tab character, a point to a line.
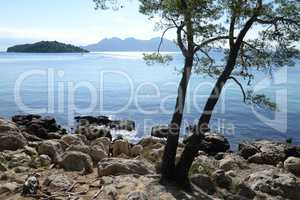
93	165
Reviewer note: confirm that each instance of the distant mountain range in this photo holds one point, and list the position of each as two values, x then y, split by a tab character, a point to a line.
131	44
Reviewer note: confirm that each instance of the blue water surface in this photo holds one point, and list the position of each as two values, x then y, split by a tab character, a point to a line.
122	86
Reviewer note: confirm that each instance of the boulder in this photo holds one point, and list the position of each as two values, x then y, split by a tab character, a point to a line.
12	141
214	143
81	148
86	120
118	166
204	182
93	132
151	142
10	136
72	139
97	153
264	152
120	147
136	150
54	135
51	148
6	126
42	127
160	131
221	179
24	119
292	164
37	130
57	182
232	162
274	183
76	161
247	150
104	142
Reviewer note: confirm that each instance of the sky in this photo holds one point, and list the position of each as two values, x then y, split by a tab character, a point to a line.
70	21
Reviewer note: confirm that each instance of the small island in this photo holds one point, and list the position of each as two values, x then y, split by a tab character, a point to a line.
46	47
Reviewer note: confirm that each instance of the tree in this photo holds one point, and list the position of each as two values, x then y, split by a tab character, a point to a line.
193	21
277	24
199	28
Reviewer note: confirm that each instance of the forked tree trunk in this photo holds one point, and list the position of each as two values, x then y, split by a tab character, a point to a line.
192	146
168	161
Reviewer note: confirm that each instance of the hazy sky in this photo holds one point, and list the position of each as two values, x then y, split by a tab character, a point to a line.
72	21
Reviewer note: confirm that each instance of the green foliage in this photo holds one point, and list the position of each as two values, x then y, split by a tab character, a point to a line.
153	58
46	47
260	100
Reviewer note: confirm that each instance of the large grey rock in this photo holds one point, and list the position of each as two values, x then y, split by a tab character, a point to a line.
232	162
274	183
97	153
57	182
81	148
93	132
104	142
72	139
264	152
117	166
51	148
12	141
247	150
214	143
292	164
10	136
76	161
204	182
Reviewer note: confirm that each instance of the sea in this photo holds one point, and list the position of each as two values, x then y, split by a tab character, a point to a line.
122	86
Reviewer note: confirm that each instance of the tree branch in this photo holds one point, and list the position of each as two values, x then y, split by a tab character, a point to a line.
199	46
240	85
162	37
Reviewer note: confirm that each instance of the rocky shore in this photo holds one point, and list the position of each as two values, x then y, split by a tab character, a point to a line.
40	160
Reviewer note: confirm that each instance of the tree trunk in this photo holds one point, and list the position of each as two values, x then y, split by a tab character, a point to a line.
168	160
192	146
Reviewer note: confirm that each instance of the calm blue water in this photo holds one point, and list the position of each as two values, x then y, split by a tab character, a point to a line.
122	86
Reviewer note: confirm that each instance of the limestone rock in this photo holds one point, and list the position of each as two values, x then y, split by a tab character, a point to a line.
120	147
117	166
76	161
51	148
104	142
57	182
72	139
136	150
97	153
292	164
274	183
